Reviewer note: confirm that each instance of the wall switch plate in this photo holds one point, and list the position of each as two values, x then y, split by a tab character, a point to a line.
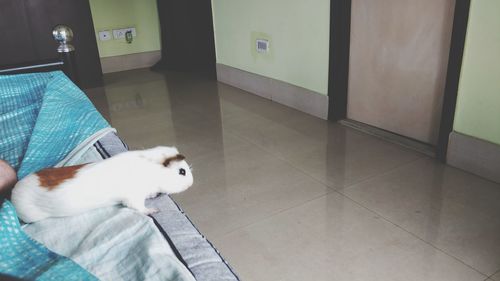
120	33
262	45
104	35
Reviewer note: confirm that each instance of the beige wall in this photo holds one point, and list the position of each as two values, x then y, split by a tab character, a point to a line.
478	112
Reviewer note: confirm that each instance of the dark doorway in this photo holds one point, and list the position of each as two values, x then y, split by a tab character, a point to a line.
187	36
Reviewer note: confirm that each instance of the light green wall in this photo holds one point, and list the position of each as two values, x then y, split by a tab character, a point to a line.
113	14
298	32
478	106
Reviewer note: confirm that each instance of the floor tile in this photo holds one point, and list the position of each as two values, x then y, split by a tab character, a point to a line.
145	115
346	160
100	101
134	77
241	184
336	155
332	238
450	209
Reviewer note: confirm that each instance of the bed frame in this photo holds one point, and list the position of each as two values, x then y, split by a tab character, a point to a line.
65	62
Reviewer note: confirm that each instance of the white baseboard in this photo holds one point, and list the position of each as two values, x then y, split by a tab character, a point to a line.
281	92
474	155
128	62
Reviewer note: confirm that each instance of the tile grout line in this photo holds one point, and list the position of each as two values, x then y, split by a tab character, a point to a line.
354	201
327	191
276	213
293	165
493	274
412	234
391	170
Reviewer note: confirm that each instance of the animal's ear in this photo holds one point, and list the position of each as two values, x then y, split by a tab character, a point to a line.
178	157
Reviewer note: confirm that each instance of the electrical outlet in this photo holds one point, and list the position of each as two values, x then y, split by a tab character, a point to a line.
262	45
120	33
104	35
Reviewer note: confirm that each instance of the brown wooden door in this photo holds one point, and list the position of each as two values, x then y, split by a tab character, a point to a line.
26	34
398	60
16	45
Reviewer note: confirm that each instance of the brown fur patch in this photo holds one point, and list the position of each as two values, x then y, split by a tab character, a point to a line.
178	157
50	178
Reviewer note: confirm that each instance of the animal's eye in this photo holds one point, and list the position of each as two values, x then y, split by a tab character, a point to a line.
182	172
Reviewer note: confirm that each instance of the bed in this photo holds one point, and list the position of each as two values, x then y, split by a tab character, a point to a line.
181	246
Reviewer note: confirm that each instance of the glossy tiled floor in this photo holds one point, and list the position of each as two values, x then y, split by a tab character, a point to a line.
286	196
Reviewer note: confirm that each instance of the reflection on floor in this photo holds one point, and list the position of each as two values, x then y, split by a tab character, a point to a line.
286	196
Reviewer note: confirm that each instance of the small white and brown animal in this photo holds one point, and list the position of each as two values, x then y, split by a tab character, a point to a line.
127	178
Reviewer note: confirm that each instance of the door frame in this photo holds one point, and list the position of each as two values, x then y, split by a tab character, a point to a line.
338	77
